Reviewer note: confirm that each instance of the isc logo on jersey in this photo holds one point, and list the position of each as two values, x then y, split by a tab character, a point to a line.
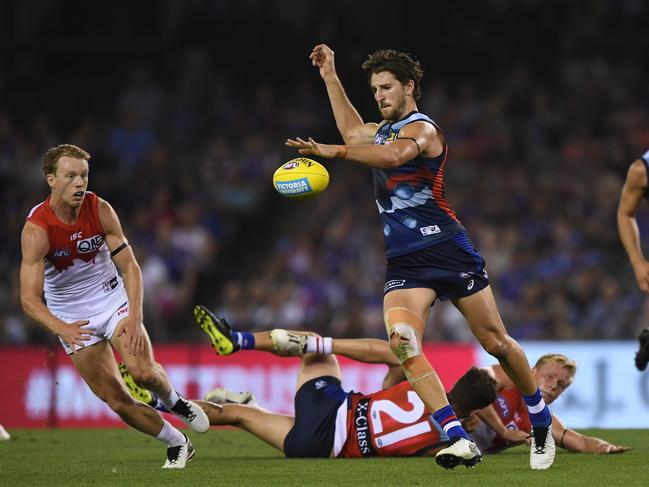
300	178
89	244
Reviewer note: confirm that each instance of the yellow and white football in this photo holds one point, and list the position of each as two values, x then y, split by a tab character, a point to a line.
300	178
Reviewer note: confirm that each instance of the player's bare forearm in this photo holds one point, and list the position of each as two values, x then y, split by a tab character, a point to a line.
349	122
394	375
377	156
630	237
132	276
37	311
368	350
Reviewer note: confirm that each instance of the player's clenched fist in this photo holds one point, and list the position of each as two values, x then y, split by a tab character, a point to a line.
323	57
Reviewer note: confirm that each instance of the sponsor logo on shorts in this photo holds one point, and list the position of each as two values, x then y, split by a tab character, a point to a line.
61	253
90	244
362	428
122	310
470	286
393	283
297	186
110	284
431	230
320	384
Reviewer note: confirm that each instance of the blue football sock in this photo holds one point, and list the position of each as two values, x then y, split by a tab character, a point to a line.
244	339
447	419
539	412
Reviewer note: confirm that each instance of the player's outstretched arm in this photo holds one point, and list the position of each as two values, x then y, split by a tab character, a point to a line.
631	196
414	139
34	245
576	442
350	124
489	416
124	260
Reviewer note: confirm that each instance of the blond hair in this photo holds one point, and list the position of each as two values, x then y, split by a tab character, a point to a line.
52	156
559	359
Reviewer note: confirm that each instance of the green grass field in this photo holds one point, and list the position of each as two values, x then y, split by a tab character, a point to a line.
230	457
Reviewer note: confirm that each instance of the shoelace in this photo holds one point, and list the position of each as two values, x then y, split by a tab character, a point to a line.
182	408
173	453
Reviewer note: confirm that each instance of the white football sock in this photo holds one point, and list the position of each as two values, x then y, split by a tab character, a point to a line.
170	435
171	400
319	345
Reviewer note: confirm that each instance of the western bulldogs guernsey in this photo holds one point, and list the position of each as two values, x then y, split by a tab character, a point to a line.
389	423
411	198
80	277
512	411
645	159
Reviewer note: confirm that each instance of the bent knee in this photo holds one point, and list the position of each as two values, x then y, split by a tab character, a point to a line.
497	345
145	376
118	401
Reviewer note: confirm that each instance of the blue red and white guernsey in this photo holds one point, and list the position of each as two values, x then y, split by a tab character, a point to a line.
645	159
390	423
411	198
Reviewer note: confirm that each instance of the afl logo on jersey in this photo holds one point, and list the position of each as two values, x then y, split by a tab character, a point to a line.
90	244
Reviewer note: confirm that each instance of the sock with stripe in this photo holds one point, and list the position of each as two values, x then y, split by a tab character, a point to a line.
244	339
447	419
537	409
319	345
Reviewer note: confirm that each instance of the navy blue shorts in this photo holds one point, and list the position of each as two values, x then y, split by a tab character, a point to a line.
316	406
452	268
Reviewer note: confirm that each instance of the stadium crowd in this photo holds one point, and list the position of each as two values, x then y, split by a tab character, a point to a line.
534	172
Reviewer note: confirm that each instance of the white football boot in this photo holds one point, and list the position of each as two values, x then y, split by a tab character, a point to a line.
542	450
460	451
221	396
178	456
191	414
289	343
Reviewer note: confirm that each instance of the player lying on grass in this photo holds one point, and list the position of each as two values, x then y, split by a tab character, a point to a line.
504	423
330	422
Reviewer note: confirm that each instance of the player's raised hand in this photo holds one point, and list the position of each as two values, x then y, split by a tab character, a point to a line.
323	57
131	331
312	148
641	271
74	335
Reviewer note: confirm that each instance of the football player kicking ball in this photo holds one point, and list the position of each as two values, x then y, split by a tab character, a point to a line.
504	423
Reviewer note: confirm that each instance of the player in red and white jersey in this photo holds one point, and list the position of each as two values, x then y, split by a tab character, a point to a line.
72	249
505	423
330	422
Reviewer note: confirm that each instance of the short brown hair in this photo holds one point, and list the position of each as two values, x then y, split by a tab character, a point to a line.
52	156
476	389
403	66
559	359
